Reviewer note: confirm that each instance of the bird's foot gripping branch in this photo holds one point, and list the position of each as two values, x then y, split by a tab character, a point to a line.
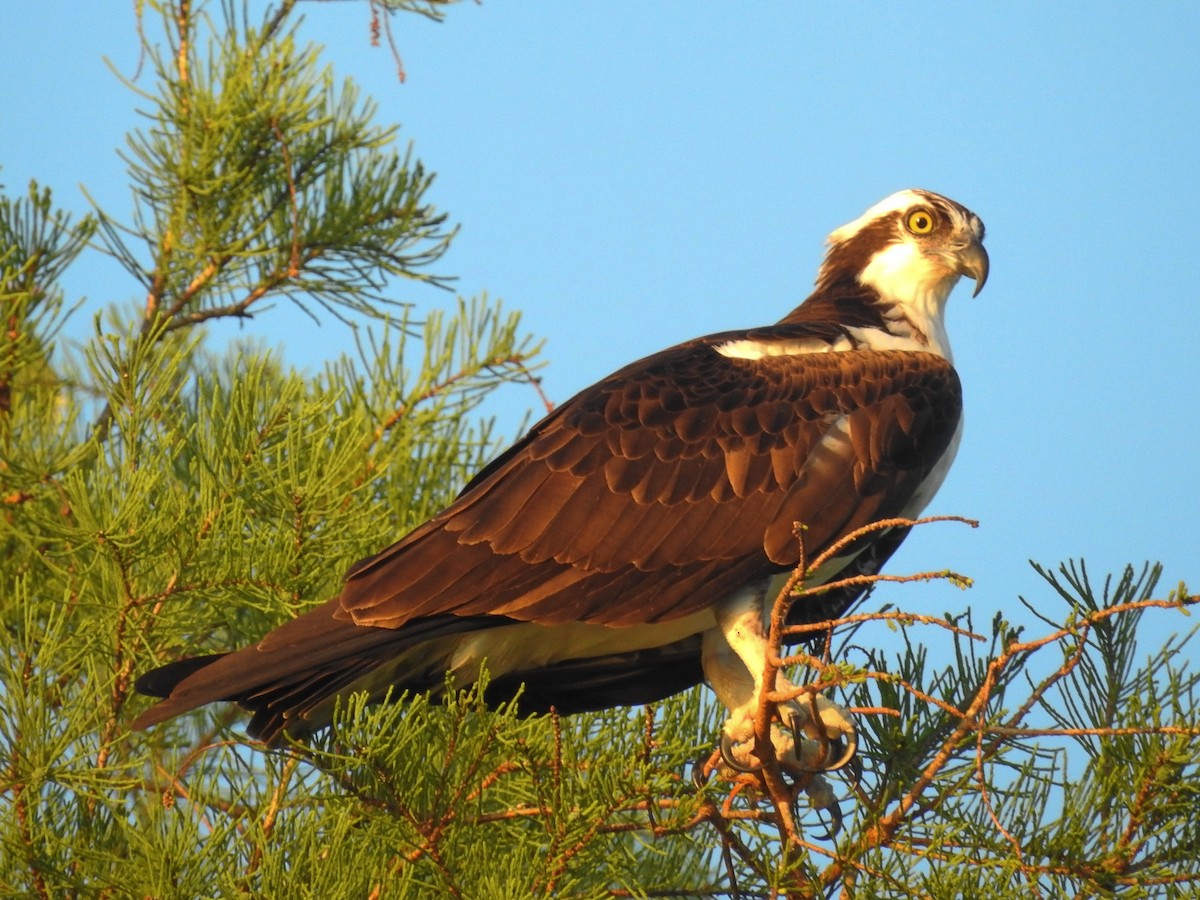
815	736
784	745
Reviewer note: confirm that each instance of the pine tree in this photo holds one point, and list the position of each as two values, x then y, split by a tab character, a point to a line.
161	497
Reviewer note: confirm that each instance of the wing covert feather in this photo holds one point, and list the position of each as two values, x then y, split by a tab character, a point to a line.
626	502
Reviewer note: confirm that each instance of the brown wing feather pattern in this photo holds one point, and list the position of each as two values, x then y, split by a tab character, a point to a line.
613	507
654	494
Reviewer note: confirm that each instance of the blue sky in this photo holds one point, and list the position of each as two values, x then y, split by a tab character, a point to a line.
632	175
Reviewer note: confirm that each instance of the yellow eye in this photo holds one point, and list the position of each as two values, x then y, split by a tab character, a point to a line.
920	221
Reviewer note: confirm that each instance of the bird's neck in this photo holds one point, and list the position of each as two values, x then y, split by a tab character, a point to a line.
911	318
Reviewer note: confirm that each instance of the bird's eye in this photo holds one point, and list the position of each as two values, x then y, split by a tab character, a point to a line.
920	221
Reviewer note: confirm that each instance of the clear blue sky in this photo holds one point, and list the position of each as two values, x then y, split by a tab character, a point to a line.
630	175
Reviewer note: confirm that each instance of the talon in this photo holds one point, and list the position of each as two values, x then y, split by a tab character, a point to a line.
848	755
794	726
699	776
795	806
854	769
835	823
847	750
728	758
796	765
821	796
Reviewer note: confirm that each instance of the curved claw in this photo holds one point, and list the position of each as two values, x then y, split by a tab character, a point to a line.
848	755
835	823
796	766
854	770
796	728
821	797
728	758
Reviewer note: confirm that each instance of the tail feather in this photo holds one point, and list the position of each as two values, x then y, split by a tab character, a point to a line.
303	665
162	681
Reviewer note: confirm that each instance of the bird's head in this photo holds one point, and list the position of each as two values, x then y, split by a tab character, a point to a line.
911	248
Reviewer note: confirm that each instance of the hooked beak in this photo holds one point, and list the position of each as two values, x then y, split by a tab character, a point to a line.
972	261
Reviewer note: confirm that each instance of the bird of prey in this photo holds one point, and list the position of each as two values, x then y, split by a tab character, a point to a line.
630	545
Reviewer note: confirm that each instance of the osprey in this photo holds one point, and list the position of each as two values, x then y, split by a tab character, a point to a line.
626	548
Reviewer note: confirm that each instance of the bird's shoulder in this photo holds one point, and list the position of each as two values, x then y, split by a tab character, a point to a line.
693	423
753	388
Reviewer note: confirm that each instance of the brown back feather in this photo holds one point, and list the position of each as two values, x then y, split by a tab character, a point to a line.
688	464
